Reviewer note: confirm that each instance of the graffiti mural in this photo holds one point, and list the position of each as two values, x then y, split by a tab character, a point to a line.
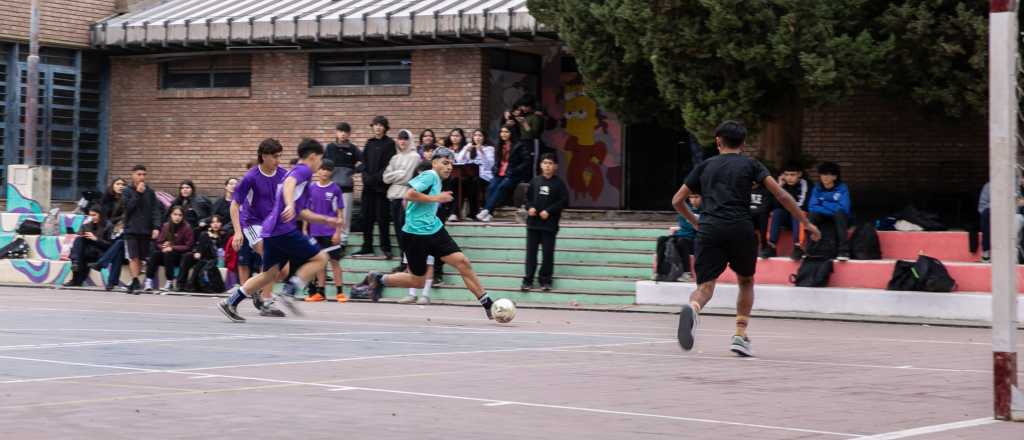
589	139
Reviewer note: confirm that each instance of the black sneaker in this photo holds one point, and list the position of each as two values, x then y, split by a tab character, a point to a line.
687	327
798	253
133	288
843	256
768	252
526	286
229	310
545	287
741	346
362	253
376	284
257	300
268	310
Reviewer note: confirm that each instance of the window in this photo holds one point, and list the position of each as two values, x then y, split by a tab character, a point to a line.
206	72
357	69
513	61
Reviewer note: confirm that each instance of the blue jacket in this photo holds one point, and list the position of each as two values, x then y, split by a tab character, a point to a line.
685	228
828	202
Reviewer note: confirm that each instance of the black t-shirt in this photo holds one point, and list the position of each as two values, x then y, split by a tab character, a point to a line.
724	183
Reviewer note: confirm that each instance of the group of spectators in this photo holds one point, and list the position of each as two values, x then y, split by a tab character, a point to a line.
189	237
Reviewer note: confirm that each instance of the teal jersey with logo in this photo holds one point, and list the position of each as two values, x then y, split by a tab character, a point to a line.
421	218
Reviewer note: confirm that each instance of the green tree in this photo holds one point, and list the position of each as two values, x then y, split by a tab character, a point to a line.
765	61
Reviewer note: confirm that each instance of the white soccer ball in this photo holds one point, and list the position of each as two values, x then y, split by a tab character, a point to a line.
503	310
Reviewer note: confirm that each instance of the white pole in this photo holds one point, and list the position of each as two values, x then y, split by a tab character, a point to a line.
1002	160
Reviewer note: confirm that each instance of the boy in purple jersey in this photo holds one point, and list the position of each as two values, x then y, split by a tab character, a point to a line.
325	199
283	242
251	203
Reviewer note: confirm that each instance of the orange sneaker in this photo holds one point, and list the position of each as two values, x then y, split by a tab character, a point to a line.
342	298
316	297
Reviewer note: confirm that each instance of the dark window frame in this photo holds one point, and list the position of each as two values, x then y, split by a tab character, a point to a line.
360	62
214	73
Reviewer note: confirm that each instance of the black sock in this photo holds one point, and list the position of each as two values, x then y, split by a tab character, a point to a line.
486	302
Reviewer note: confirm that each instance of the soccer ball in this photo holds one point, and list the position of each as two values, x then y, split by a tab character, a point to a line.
503	310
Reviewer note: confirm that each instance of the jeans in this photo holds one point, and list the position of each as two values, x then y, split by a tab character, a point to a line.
398	216
779	217
114	257
346	197
546	239
376	210
986	229
497	190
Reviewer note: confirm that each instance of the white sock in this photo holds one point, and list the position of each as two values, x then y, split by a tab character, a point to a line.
426	288
297	282
412	291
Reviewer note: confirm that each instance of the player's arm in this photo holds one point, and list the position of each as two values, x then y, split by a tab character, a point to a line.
236	215
309	216
790	205
679	203
415	196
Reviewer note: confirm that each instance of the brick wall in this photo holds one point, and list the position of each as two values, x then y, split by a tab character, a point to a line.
209	139
61	22
894	153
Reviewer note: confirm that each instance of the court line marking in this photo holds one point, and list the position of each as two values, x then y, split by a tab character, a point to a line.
50	379
778	361
932	429
498	404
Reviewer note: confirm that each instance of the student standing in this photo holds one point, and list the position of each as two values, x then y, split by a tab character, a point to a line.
345	156
397	175
546	198
325	199
725	234
142	224
375	208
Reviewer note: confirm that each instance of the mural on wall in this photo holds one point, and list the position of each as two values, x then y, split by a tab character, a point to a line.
589	139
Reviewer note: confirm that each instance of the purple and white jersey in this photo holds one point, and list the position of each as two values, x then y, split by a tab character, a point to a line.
324	200
273	225
255	193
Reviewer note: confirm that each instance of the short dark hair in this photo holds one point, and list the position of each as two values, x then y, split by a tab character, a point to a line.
310	146
732	134
382	121
343	126
526	100
139	167
268	146
327	165
293	161
549	156
829	168
792	167
94	207
218	217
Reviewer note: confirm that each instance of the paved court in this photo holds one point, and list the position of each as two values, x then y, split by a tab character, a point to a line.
78	364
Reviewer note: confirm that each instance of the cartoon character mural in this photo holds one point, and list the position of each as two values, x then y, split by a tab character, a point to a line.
591	141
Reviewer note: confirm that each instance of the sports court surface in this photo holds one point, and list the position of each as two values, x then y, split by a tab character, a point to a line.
77	364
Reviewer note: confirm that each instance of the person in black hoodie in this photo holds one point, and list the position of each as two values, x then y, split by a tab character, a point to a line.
545	200
793	182
196	206
142	223
208	248
345	156
92	242
375	207
112	209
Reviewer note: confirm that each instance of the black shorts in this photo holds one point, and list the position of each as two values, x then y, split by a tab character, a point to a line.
418	247
324	243
137	246
734	245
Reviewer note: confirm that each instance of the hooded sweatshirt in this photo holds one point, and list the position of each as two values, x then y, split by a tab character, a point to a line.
400	171
830	201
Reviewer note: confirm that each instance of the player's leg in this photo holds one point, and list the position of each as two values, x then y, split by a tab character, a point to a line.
461	263
252	286
711	260
416	254
743	261
337	274
547	267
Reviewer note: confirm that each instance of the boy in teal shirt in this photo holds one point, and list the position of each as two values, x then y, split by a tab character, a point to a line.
424	235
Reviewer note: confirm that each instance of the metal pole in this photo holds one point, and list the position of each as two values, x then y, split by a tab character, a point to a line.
32	87
1003	183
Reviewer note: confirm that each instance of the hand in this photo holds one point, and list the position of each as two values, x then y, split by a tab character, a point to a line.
237	241
815	233
166	249
544	215
336	239
140	187
197	255
155	234
288	214
89	236
445	197
532	212
673	229
333	221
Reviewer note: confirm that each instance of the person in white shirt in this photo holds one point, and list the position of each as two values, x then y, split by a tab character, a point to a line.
478	152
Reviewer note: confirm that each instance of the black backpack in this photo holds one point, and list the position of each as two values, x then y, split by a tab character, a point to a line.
206	277
30	227
827	247
927	274
864	244
813	272
16	249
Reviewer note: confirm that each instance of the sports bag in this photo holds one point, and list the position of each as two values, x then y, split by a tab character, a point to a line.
813	272
927	274
30	227
864	244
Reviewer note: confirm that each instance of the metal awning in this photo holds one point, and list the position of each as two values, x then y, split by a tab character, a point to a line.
315	22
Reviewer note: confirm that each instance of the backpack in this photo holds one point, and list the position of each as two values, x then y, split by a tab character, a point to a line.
16	249
930	221
30	227
927	274
813	272
827	247
864	244
670	263
206	277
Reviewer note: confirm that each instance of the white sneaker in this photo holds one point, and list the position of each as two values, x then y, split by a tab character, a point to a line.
408	299
482	215
148	285
487	218
424	300
168	286
453	218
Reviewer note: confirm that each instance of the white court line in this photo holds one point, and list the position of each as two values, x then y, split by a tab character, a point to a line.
498	404
777	361
49	379
930	429
122	342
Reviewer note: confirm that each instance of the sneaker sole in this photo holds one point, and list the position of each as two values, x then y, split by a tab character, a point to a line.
741	351
234	318
687	324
